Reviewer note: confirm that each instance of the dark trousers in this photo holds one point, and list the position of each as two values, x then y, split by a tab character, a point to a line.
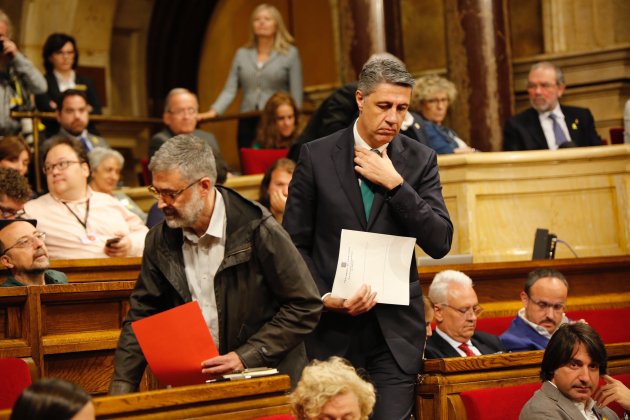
369	353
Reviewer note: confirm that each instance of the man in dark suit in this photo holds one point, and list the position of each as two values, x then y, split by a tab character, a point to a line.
340	183
456	309
549	125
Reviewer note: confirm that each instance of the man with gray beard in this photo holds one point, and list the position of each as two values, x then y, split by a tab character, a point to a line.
256	294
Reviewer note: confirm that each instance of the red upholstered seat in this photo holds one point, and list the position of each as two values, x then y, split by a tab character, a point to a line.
14	378
616	135
609	323
495	326
497	403
625	378
256	161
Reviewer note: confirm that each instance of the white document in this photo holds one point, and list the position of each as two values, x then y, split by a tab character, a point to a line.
380	261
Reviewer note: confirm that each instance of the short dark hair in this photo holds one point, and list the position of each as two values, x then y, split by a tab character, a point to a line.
562	348
54	43
541	273
50	398
61	139
14	185
68	93
381	69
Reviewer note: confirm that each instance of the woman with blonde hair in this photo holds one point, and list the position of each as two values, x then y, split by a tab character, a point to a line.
267	64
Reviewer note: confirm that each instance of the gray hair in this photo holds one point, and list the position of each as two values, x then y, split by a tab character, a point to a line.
174	92
549	65
428	86
188	154
99	154
6	19
438	291
380	69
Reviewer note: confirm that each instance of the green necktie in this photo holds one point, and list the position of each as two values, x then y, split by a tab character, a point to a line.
367	192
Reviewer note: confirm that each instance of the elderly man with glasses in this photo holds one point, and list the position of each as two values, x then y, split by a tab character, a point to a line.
79	222
544	300
456	310
23	252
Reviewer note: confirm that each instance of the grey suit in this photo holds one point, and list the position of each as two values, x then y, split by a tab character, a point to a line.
549	403
281	72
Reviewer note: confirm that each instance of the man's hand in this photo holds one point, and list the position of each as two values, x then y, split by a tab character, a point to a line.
9	47
377	169
221	365
362	301
613	390
122	248
277	201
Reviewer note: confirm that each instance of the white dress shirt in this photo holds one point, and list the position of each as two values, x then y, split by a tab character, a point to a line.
456	344
547	126
202	258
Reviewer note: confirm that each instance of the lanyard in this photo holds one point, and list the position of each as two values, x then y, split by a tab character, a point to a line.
87	212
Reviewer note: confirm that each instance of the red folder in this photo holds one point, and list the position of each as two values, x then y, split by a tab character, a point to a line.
175	342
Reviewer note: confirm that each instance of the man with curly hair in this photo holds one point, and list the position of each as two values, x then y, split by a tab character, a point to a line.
332	389
14	192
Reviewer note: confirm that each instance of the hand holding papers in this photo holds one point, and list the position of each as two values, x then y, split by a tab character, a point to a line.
377	260
175	342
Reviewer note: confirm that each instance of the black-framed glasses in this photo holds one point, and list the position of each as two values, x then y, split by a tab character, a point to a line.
543	306
8	213
476	310
62	166
170	195
26	241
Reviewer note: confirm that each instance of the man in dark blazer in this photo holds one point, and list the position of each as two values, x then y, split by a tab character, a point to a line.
456	308
325	196
547	124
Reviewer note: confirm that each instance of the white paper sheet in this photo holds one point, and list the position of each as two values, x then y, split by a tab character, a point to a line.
381	261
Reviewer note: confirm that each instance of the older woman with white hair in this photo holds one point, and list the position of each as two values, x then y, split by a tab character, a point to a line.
106	165
431	97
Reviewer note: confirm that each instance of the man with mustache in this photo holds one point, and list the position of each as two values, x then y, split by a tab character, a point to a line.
571	368
547	124
23	252
544	300
456	310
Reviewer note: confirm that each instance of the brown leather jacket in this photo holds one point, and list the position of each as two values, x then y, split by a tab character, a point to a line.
267	301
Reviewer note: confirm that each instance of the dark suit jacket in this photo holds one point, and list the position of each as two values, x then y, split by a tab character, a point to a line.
325	197
549	403
524	132
439	348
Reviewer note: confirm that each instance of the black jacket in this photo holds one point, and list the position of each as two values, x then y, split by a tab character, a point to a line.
439	348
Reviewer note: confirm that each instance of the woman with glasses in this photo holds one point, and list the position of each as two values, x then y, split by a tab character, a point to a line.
61	58
431	97
268	63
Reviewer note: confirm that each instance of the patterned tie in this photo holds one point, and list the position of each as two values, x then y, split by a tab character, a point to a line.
464	347
367	192
86	143
557	130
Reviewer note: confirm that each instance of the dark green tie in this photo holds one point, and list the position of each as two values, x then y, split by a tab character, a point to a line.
367	192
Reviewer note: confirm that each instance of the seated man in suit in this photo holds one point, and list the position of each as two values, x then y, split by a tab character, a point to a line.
23	252
14	192
456	309
547	124
73	115
571	368
544	300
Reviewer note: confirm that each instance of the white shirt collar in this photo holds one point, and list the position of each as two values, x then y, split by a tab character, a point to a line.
585	409
540	330
450	341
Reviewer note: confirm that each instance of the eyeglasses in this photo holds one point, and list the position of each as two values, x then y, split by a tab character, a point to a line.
171	195
435	101
543	306
476	310
542	86
8	213
27	241
184	111
62	166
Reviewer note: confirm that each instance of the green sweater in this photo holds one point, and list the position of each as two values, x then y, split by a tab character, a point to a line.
50	277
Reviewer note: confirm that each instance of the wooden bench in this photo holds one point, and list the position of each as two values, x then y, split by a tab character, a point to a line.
594	283
437	395
70	330
235	400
